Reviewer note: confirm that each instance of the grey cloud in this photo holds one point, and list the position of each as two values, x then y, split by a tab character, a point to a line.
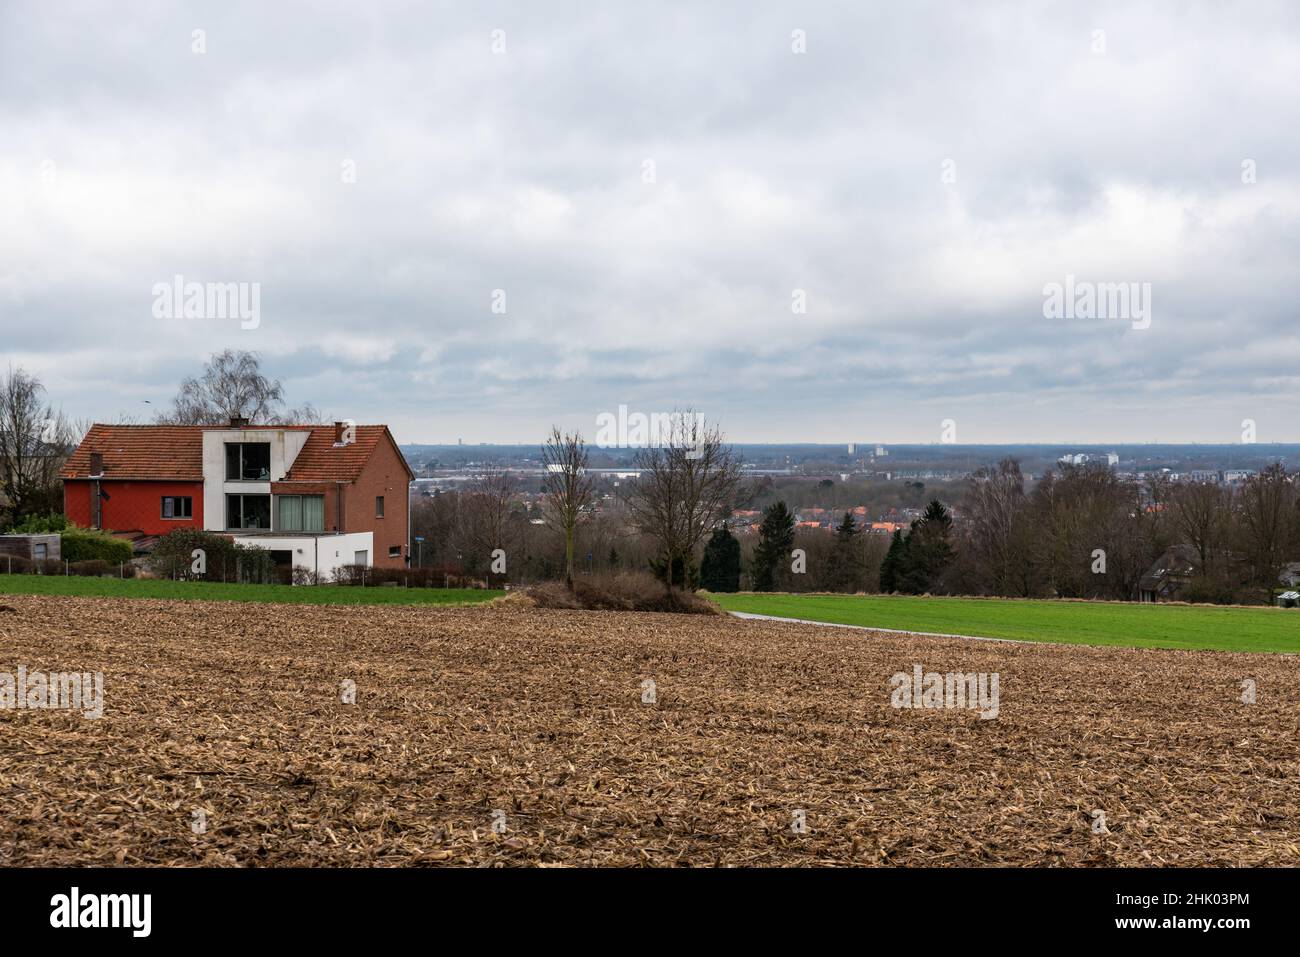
774	172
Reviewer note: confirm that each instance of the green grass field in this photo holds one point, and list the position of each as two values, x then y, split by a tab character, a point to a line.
220	591
1070	622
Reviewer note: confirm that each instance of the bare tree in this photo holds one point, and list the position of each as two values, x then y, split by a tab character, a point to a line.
996	505
305	414
1268	503
35	440
689	479
567	486
1200	512
232	385
487	522
1080	512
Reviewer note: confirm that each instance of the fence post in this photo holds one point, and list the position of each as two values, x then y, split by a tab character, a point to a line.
67	565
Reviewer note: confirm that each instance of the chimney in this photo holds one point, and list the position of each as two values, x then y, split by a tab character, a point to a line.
96	464
238	422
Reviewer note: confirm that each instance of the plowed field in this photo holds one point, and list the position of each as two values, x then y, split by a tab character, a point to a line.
505	735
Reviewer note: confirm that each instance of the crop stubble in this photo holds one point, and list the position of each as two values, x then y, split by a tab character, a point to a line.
235	710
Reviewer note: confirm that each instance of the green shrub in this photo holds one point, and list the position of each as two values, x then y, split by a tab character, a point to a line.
88	544
40	525
223	560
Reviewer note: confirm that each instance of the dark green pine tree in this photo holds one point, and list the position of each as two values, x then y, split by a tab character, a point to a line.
775	541
927	551
889	567
844	573
720	569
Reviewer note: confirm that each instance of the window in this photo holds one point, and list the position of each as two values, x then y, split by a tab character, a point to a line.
40	551
394	551
300	513
248	461
177	506
379	506
248	511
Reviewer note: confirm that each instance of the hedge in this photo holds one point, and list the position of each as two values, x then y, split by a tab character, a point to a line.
222	560
86	545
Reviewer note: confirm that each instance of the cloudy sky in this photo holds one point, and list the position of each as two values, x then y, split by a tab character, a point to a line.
650	191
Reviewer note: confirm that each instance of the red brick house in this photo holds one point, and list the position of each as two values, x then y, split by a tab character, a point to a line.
315	496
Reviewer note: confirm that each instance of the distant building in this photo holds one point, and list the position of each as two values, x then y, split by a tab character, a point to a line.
1169	574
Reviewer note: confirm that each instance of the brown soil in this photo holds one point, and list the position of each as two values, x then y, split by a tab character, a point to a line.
234	709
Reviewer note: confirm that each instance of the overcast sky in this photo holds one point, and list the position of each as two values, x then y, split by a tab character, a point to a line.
650	185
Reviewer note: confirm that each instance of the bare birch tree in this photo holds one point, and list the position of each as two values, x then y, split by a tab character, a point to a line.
232	385
568	488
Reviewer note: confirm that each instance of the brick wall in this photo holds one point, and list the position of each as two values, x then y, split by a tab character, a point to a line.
131	506
386	475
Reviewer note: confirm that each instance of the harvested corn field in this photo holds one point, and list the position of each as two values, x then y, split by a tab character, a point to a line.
508	735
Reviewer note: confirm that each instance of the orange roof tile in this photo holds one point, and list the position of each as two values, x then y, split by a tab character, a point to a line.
321	461
172	452
175	452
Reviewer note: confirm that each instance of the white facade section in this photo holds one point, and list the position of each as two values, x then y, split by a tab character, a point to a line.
285	446
322	554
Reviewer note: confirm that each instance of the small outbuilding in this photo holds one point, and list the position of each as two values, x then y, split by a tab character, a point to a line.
33	548
1288	599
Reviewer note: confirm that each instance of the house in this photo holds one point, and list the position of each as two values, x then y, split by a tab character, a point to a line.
1168	574
315	496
